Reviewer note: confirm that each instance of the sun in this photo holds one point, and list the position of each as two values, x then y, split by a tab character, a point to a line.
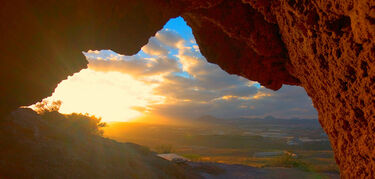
113	96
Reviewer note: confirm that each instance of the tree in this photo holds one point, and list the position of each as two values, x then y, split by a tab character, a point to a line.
47	106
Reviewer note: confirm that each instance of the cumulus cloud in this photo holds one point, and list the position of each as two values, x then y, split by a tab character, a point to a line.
170	38
155	48
289	102
209	76
158	62
210	90
192	87
177	91
133	65
163	41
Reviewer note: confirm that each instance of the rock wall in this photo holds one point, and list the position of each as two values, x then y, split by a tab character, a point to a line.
42	41
245	43
331	48
324	46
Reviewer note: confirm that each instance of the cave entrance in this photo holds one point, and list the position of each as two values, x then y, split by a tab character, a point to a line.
169	83
170	76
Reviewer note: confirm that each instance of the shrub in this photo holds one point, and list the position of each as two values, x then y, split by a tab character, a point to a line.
72	124
163	149
47	106
289	161
84	123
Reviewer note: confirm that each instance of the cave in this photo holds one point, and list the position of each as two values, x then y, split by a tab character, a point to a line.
326	47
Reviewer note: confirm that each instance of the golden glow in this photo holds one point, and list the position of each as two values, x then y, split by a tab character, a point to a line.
261	95
113	96
257	96
228	97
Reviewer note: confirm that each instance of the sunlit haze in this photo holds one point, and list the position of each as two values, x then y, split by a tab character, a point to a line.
113	96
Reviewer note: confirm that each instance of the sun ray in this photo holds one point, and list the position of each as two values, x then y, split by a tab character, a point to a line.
113	96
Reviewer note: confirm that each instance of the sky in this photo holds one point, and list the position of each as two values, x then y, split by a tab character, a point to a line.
170	77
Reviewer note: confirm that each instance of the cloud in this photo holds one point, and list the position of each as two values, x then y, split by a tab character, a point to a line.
163	41
158	61
290	102
155	48
177	92
240	91
210	90
134	65
209	76
170	38
192	87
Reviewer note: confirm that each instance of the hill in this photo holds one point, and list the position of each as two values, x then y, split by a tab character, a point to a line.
53	145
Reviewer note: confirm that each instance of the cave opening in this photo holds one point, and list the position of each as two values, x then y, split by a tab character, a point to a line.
171	69
324	47
169	82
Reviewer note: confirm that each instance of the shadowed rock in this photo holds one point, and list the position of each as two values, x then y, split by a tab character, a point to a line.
52	145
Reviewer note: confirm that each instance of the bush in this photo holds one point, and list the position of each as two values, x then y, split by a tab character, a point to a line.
46	106
84	123
289	161
75	123
164	149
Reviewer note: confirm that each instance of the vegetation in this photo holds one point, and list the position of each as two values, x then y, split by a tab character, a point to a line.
289	161
79	124
54	145
47	106
164	149
76	123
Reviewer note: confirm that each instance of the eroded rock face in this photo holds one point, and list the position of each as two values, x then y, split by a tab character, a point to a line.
332	52
42	41
245	43
324	46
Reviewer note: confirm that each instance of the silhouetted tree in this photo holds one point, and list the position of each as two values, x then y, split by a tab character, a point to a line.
47	106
